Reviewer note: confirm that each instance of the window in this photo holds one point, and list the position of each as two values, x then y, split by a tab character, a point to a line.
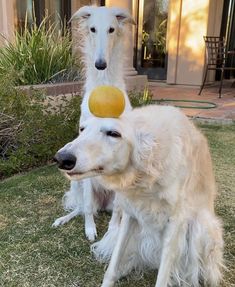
57	9
151	54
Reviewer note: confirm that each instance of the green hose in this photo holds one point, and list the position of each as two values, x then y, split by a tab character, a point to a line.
208	105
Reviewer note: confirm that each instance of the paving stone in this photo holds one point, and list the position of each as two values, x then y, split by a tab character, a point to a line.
224	112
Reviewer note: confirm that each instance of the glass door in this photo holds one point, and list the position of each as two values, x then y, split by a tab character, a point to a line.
228	32
58	10
151	43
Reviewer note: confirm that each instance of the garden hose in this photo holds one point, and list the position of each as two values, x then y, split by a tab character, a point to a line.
208	105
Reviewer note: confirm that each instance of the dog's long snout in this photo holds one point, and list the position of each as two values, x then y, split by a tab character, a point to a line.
66	161
101	64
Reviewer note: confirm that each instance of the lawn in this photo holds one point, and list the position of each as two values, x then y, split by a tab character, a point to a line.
32	253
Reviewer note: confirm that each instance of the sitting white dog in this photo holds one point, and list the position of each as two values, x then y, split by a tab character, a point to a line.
160	166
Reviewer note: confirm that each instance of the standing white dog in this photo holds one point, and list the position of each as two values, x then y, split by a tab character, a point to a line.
103	32
160	166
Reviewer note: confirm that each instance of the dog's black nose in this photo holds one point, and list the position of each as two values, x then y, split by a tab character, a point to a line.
65	160
100	64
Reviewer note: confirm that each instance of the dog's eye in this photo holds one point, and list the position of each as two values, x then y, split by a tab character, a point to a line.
92	29
113	134
111	30
81	129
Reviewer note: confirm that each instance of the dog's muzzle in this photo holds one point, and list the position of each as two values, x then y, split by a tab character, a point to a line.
65	161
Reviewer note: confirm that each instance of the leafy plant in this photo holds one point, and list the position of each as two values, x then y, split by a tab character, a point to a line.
40	54
139	99
33	127
161	37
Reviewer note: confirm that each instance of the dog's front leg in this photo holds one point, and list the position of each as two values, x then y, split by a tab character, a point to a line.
116	215
169	251
64	219
72	200
90	227
111	274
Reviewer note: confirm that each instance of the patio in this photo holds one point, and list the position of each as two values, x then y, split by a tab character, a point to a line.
223	113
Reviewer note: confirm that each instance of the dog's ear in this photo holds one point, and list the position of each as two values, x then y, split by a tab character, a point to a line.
144	153
123	16
82	14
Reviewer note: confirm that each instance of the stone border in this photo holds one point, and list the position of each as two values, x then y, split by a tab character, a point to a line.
133	83
55	89
212	121
136	83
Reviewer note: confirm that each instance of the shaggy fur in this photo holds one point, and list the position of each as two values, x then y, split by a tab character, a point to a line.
161	168
105	47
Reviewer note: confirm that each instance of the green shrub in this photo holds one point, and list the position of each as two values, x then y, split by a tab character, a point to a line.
33	128
40	55
139	99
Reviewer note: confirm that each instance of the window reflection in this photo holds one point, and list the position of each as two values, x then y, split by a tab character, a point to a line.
154	33
58	10
53	9
24	11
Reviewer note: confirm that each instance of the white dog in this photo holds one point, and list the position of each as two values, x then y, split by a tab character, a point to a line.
103	32
160	166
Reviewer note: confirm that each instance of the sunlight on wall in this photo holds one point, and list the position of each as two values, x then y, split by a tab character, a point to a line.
194	21
188	24
173	28
6	21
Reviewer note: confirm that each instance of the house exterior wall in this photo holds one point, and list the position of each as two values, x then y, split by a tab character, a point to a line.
188	22
6	20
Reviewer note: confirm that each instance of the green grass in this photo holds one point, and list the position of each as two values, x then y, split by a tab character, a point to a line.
34	254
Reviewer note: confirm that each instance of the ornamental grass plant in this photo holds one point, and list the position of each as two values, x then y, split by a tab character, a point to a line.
40	54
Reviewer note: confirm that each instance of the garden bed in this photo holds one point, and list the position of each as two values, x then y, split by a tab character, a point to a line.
35	121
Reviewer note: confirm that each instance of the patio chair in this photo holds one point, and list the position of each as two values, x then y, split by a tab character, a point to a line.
216	58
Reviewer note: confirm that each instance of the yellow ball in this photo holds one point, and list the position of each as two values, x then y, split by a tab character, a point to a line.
106	102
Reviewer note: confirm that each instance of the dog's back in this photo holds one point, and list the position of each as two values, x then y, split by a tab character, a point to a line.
179	140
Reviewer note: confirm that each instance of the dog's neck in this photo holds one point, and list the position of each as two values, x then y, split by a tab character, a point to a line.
112	75
129	179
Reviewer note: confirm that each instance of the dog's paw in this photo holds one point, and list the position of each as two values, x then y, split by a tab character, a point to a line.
91	233
60	221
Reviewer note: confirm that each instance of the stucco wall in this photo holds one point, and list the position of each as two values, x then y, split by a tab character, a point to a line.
6	20
188	22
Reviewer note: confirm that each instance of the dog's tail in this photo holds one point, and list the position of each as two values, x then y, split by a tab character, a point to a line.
204	259
213	252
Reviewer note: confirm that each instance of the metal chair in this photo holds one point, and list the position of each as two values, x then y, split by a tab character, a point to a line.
216	58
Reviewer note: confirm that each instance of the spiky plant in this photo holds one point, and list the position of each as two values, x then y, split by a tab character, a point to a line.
39	54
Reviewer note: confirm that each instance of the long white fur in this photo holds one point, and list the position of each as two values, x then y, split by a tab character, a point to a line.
162	172
100	45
